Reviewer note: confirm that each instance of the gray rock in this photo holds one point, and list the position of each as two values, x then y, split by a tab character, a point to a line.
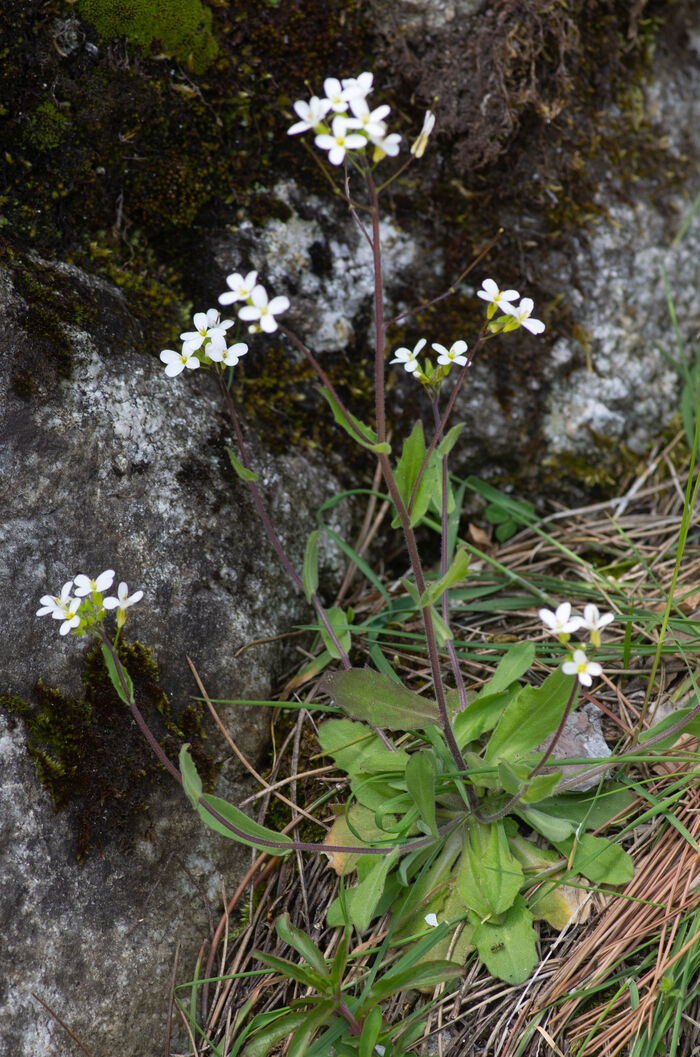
118	466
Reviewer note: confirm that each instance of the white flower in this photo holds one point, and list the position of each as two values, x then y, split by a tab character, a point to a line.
499	298
455	354
311	114
336	96
418	147
340	141
358	86
431	919
241	287
369	121
378	1048
593	621
56	605
561	622
580	666
122	602
69	616
177	361
408	357
386	145
85	586
208	324
229	357
262	312
522	314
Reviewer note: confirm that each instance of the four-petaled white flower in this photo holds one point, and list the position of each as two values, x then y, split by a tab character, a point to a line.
336	95
261	311
229	357
85	586
502	299
431	919
208	324
340	141
358	86
418	147
370	121
241	287
385	145
69	616
56	605
177	361
122	602
579	665
455	354
522	314
311	114
561	622
593	621
408	357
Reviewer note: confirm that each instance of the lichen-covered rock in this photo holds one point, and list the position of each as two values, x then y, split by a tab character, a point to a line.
105	462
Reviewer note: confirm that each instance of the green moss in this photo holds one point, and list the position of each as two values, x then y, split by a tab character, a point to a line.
181	28
47	126
89	754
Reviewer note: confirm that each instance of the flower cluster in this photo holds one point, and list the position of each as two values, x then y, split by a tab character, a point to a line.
204	345
514	316
563	624
87	606
343	122
446	358
257	310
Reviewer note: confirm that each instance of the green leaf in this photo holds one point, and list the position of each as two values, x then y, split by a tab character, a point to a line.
448	442
443	633
550	826
426	975
407	470
291	970
301	943
249	832
480	715
280	1029
530	716
310	573
420	780
243	472
367	894
191	782
110	665
600	860
304	1034
516	662
489	876
360	433
507	948
366	695
541	787
370	1032
456	572
348	743
338	620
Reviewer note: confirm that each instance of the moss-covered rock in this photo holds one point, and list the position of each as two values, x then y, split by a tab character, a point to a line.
181	28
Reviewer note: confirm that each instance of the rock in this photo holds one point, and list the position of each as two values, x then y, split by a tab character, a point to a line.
107	463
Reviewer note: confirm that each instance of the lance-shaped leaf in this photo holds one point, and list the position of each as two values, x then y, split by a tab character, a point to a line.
489	876
310	574
530	717
600	860
339	621
370	890
366	695
407	470
360	433
243	472
231	822
420	781
124	689
456	572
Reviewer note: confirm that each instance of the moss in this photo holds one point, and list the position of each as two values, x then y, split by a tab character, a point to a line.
89	754
181	28
47	126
